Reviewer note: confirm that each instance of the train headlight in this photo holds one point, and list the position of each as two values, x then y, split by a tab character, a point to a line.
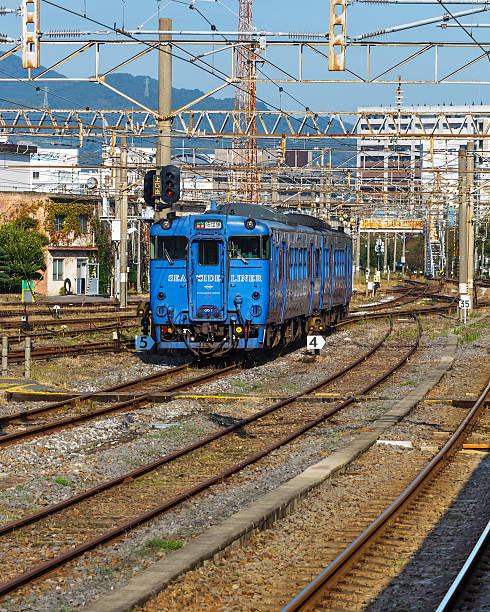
166	224
255	295
161	295
250	224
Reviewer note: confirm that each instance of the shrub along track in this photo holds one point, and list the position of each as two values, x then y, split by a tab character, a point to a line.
86	521
353	578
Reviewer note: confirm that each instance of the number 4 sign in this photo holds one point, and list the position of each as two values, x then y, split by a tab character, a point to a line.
315	342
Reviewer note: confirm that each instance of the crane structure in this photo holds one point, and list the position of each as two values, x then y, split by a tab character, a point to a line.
245	125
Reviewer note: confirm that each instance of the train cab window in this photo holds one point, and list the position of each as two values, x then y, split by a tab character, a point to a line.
168	247
208	254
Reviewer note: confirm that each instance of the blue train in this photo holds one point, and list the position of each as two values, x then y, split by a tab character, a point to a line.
245	277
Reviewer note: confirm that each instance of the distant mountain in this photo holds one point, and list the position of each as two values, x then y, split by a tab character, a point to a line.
79	95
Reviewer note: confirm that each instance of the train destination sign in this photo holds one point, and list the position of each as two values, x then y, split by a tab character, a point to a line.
208	224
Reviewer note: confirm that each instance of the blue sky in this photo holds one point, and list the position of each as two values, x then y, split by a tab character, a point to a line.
277	15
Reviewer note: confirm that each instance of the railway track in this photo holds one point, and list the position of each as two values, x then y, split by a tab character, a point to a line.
70	333
471	579
353	577
81	406
87	520
414	292
114	318
60	350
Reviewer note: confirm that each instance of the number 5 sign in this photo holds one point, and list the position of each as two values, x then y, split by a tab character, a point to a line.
144	343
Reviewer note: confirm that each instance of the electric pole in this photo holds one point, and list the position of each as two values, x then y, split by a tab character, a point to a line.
470	173
164	141
463	224
123	274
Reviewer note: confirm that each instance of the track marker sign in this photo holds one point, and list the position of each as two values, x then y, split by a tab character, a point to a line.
465	302
315	342
144	343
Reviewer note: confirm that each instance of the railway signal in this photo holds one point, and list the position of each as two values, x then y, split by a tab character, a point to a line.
170	177
162	189
150	194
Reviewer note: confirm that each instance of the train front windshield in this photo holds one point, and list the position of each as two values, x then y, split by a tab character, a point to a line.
249	247
168	247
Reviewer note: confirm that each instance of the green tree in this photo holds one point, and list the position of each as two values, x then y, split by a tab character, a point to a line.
22	245
4	266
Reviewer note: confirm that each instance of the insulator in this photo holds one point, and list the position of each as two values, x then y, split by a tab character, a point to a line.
306	35
5	11
4	38
62	34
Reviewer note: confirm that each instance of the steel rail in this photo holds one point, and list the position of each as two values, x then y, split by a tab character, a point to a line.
341	565
50	352
25	414
93	414
69	321
187	449
116	532
465	572
72	332
398	298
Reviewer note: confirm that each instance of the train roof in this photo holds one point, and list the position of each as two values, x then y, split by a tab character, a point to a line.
243	209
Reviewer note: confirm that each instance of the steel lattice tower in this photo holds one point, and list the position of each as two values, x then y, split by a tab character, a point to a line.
245	144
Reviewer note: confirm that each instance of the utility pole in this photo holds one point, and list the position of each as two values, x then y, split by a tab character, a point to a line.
368	251
385	255
404	238
358	252
470	174
394	253
123	259
164	141
117	218
463	224
138	253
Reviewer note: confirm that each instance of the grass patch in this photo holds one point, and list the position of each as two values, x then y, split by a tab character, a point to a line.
169	433
161	545
406	383
470	336
407	333
63	481
439	334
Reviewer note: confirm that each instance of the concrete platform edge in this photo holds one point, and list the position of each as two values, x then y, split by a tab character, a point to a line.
276	504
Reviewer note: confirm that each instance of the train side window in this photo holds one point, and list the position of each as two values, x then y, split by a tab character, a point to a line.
162	247
208	254
317	263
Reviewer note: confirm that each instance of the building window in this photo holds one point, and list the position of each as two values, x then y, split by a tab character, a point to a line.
57	269
59	222
84	223
35	175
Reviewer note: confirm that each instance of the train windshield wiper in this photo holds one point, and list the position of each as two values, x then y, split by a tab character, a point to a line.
169	259
236	255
